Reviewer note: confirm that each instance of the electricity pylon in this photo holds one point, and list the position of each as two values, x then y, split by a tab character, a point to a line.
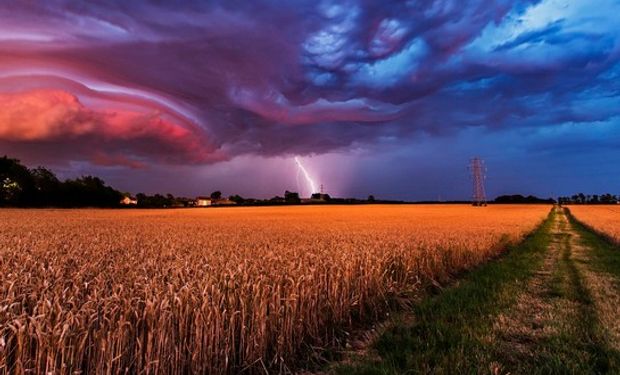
478	175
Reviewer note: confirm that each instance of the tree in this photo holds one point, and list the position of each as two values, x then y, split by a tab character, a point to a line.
10	191
155	201
371	198
89	191
518	198
291	197
20	186
608	199
581	198
321	196
16	184
216	195
237	199
48	187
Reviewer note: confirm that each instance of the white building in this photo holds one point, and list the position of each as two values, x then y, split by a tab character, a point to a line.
203	201
128	200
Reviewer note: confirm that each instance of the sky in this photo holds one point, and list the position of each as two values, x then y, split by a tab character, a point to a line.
391	98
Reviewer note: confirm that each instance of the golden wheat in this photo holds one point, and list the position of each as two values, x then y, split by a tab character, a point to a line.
603	218
220	290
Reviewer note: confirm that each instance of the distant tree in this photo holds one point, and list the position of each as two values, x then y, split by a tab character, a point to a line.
10	191
291	197
371	198
48	187
44	179
321	196
609	199
581	198
141	197
159	201
518	198
89	191
17	186
237	199
216	195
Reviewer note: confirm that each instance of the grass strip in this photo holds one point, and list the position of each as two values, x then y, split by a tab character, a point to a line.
605	253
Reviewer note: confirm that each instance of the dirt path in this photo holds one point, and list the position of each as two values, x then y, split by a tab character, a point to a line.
568	313
519	332
604	290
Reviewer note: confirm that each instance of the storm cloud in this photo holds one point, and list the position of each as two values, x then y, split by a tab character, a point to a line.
138	83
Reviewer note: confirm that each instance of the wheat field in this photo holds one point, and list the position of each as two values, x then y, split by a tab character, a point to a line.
604	218
222	290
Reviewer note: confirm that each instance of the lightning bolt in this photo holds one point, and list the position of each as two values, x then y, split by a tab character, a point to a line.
309	180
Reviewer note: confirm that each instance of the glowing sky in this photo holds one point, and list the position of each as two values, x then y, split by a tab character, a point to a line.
385	98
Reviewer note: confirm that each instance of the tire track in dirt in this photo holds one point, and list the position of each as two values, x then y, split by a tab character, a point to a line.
519	332
604	290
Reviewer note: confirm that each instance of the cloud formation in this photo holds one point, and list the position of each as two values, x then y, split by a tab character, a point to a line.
139	83
120	137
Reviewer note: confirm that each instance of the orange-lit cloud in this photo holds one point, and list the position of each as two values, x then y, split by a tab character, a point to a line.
43	115
46	116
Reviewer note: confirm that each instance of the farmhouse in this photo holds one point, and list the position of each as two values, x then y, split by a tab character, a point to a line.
129	200
203	201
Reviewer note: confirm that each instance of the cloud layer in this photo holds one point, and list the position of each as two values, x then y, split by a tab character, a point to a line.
139	83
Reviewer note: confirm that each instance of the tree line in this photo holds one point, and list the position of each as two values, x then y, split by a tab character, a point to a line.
520	199
590	199
39	187
21	186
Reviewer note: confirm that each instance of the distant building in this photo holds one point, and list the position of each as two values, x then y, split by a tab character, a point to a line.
129	200
203	201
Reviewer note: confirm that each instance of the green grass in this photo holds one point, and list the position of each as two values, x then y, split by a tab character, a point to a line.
605	253
450	332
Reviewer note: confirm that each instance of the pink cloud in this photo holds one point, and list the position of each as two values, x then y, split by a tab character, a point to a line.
41	115
118	137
